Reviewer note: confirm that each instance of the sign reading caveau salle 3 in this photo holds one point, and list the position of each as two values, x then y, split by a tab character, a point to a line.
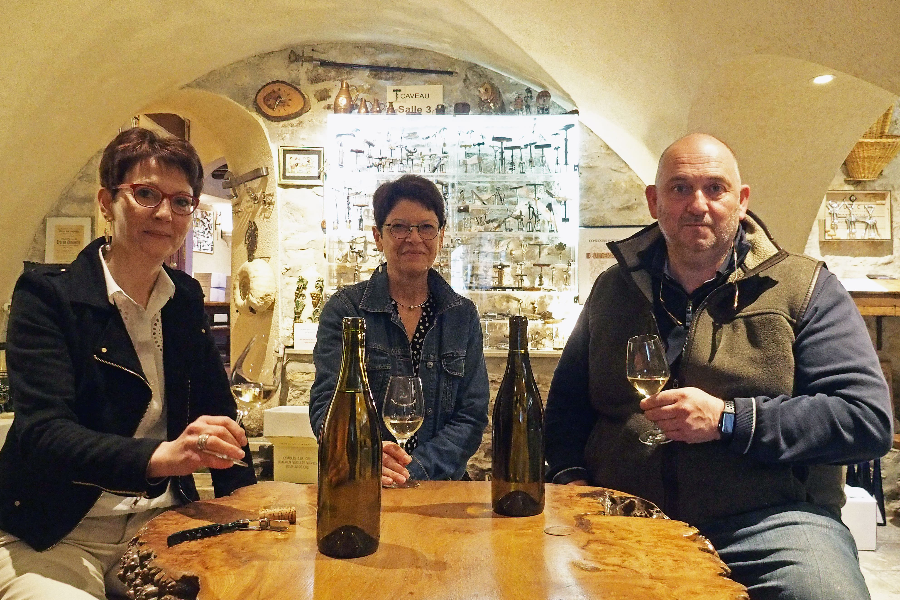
416	99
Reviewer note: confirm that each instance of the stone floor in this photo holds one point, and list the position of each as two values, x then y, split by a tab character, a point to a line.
881	567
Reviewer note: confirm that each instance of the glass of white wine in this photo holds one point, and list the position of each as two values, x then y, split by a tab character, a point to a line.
253	391
247	395
403	412
647	370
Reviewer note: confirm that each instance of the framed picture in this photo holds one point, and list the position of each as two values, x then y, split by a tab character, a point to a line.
594	255
66	236
850	215
300	166
204	231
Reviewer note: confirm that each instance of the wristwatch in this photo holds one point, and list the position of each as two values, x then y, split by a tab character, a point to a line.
726	421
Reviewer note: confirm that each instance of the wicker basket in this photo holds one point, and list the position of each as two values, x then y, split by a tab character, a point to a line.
880	127
870	156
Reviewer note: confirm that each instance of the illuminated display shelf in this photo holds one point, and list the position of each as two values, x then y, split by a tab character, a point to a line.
511	189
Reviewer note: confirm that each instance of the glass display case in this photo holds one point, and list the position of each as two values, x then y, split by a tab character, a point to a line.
511	189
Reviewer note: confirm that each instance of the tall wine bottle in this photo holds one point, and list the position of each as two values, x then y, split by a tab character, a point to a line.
517	471
348	519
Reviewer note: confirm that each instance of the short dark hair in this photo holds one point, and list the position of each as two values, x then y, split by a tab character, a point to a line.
408	187
136	145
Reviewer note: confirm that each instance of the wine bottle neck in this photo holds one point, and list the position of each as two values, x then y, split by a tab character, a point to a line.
353	360
518	335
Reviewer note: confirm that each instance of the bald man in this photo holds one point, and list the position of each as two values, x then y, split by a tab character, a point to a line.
774	384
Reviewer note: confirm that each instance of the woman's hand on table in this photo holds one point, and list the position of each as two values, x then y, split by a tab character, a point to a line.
198	446
393	463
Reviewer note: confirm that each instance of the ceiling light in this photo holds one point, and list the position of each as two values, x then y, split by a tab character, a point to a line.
823	79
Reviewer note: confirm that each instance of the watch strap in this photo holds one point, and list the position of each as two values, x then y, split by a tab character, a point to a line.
726	421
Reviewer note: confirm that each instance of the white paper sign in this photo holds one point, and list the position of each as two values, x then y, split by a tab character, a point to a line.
416	99
305	335
594	255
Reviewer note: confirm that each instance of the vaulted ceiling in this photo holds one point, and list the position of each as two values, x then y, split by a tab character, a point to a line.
641	72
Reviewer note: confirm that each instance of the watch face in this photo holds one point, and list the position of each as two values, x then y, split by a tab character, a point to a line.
279	101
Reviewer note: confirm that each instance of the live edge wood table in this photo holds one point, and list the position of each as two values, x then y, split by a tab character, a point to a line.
438	541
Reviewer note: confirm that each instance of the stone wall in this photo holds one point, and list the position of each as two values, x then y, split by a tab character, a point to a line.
856	259
611	194
610	191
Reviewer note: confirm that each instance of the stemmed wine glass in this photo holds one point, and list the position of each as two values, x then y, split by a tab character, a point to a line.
249	392
647	370
247	395
403	412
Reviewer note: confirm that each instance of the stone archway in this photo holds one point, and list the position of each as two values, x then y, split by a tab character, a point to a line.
222	128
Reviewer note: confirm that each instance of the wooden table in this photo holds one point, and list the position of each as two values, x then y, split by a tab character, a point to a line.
439	541
875	298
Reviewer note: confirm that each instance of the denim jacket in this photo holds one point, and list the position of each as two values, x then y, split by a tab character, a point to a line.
452	369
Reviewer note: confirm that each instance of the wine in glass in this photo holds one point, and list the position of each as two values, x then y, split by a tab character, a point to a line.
251	391
403	411
247	395
647	370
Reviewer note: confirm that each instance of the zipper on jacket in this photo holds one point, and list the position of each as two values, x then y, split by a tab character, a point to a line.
702	308
112	364
127	493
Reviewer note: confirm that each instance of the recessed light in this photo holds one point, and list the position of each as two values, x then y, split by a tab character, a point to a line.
823	79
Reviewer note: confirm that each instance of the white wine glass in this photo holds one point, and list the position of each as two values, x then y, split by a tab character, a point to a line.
403	412
647	370
270	390
251	391
248	395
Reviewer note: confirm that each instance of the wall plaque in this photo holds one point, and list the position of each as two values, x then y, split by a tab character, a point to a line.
850	215
594	255
66	236
416	99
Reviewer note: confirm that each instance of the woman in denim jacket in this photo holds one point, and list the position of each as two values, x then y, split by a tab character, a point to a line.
414	320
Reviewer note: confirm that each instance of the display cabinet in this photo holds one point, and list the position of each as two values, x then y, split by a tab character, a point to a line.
511	189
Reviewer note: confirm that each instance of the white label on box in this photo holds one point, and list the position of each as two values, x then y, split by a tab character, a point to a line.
416	99
296	460
305	335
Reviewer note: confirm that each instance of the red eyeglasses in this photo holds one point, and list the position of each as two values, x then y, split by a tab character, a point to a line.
150	196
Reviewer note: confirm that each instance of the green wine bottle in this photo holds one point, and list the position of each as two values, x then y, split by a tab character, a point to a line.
517	467
348	519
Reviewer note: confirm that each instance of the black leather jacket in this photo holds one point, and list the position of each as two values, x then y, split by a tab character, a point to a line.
79	393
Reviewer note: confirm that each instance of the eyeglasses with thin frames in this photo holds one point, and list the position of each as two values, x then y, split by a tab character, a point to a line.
150	196
401	231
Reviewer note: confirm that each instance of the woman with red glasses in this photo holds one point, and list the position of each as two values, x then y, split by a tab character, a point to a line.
118	391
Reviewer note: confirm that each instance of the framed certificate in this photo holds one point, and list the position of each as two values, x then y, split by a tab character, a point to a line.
66	236
300	166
